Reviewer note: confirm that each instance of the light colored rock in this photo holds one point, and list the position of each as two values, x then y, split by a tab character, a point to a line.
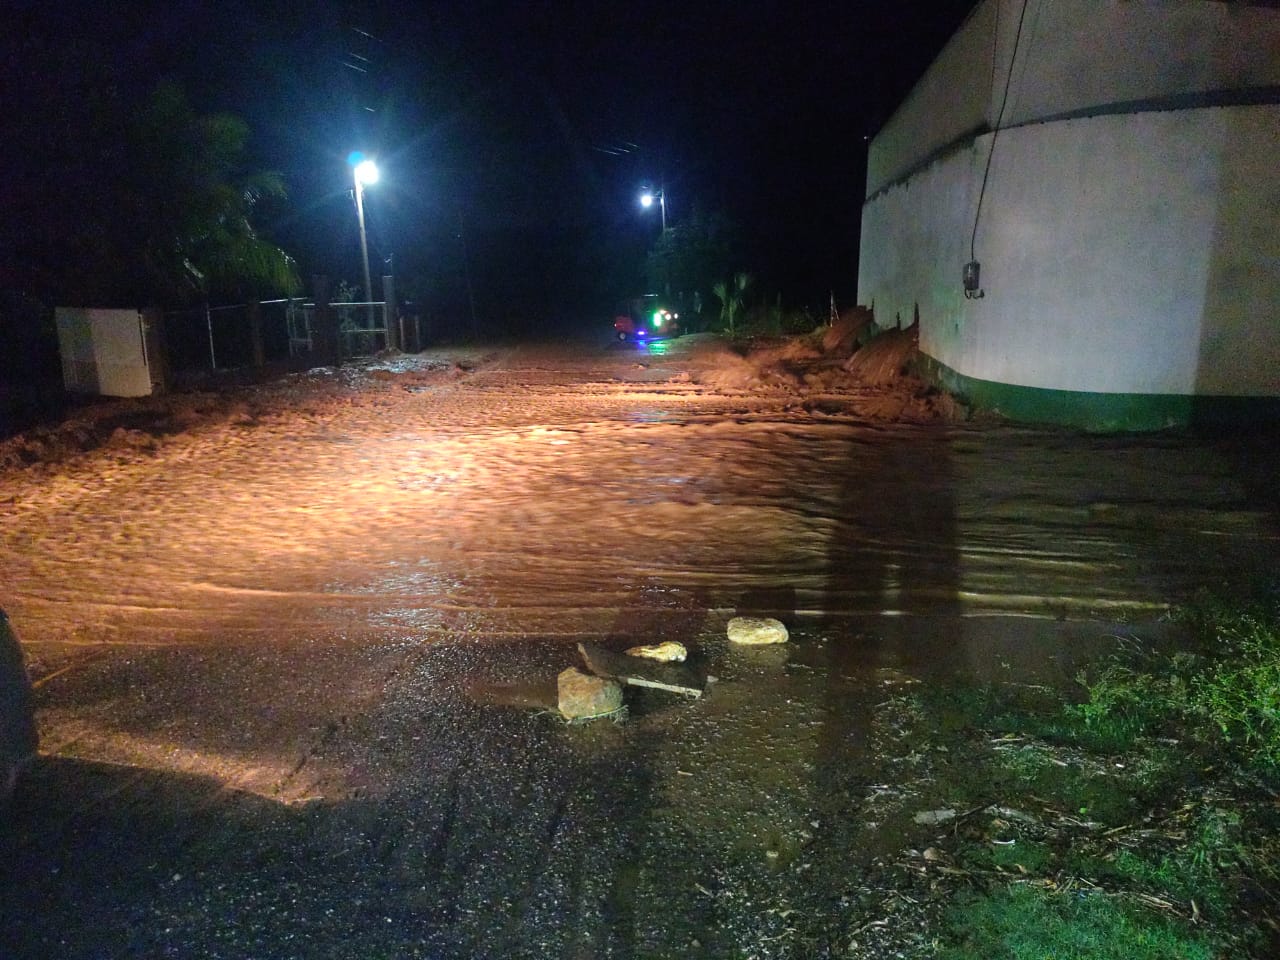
757	631
668	652
934	817
640	672
582	696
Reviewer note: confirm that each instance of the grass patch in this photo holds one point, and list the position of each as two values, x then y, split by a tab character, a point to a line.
1224	698
1152	787
1202	869
1026	857
1024	923
1219	700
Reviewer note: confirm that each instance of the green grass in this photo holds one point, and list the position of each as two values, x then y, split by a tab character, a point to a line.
1179	752
1201	869
1023	923
1240	691
1220	699
1224	698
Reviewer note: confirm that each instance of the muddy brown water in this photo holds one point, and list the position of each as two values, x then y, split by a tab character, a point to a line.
294	664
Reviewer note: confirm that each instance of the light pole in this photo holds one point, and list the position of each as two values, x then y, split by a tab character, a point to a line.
365	172
646	201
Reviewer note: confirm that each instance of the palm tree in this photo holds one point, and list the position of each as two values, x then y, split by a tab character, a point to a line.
731	296
193	198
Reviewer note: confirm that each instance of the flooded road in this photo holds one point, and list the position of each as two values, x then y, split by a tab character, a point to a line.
274	644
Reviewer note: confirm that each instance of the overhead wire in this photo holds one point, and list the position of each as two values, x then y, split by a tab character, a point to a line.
1004	99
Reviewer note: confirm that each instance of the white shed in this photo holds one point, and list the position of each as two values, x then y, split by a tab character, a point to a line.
114	353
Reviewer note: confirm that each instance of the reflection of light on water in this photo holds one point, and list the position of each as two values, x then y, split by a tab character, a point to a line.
557	438
652	416
892	591
412	513
262	776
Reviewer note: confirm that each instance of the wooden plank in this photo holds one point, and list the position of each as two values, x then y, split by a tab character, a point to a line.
639	672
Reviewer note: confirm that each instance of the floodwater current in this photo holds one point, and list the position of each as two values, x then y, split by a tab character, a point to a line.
273	649
542	494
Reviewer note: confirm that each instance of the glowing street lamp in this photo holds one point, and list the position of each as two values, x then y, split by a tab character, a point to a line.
647	200
365	172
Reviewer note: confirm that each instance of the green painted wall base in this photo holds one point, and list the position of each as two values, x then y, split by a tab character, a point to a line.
1103	412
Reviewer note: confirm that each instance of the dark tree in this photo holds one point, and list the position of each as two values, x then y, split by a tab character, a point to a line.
195	195
115	196
690	258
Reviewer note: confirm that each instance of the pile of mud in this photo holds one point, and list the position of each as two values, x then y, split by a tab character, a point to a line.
126	425
148	424
840	368
830	372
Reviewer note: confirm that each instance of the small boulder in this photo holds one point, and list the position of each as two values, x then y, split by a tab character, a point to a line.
757	631
668	652
582	696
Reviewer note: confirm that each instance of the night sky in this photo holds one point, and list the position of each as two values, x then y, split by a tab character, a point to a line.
524	131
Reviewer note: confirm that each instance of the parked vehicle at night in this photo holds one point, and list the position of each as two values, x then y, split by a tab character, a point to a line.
646	318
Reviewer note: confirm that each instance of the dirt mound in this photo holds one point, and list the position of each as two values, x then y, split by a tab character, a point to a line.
848	330
877	382
716	364
145	425
887	358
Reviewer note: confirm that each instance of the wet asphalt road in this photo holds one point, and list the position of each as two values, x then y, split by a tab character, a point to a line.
276	651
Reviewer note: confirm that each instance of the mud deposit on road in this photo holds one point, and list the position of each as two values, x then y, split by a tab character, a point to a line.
280	634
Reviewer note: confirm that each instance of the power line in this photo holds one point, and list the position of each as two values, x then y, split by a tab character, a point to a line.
1004	99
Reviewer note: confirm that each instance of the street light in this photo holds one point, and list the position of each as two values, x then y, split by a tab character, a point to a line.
365	172
649	196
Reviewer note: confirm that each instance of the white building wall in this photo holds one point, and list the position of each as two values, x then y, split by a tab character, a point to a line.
952	100
1133	253
1072	56
1129	235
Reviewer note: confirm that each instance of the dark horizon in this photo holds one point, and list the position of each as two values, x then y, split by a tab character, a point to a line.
527	130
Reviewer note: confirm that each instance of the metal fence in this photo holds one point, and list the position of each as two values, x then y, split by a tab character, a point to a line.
362	327
299	318
207	338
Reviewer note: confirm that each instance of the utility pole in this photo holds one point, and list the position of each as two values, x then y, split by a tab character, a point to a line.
364	247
